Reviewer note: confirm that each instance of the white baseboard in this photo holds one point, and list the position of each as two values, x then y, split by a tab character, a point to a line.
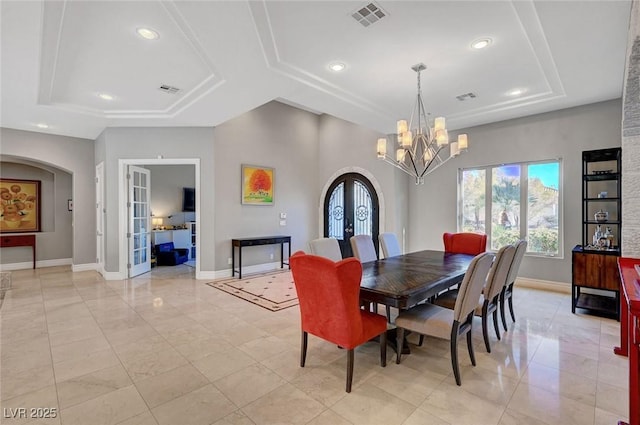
112	275
545	285
208	275
39	263
246	270
84	267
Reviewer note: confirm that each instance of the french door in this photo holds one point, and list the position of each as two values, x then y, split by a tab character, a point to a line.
139	223
351	208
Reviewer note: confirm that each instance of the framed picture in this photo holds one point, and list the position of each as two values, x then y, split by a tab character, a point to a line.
257	185
19	206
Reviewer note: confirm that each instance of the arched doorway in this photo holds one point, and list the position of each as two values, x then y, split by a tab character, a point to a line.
351	208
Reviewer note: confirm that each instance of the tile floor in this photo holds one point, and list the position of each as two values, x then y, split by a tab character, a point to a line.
167	349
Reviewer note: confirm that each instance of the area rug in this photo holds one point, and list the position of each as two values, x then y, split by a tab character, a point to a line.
274	291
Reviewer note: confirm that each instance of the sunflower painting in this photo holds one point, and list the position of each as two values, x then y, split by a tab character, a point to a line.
19	205
257	185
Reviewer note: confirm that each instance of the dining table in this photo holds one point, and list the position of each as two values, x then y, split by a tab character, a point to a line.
406	280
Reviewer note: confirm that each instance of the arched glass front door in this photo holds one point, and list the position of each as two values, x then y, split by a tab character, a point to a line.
351	208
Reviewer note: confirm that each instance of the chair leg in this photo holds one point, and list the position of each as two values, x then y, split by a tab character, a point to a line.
349	369
303	349
485	331
495	323
503	294
421	341
513	317
399	343
383	349
470	348
454	351
388	314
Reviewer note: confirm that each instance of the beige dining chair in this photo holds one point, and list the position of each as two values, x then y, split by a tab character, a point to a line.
489	303
327	248
363	248
507	293
440	322
390	245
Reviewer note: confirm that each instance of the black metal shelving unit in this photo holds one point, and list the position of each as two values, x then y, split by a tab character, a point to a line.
595	261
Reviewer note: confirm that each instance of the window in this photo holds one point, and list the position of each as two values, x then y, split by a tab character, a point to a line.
513	201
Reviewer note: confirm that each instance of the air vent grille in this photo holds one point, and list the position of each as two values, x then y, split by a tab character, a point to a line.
466	96
368	14
168	89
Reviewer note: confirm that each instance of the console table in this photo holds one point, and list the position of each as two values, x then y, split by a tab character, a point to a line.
630	332
265	240
20	240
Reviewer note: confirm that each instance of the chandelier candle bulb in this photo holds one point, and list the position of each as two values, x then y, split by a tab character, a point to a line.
382	148
441	137
402	127
407	139
455	151
400	155
439	124
462	142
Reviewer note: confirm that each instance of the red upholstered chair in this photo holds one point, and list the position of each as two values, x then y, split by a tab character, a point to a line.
329	295
465	243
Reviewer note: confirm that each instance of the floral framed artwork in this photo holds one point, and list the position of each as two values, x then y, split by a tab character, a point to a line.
257	185
19	206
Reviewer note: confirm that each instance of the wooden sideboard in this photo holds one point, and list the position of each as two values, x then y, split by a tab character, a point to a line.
9	241
265	240
630	332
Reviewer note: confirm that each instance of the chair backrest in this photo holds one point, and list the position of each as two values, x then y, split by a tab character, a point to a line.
499	272
165	247
390	245
471	286
329	295
326	247
363	248
465	243
521	248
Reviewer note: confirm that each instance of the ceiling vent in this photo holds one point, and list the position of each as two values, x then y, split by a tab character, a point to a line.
368	14
466	96
168	89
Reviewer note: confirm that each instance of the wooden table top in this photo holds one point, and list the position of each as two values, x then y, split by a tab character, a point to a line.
405	280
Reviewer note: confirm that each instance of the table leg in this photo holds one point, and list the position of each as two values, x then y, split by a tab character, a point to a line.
233	261
623	349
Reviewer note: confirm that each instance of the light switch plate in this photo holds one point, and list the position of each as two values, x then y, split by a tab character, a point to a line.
283	222
283	215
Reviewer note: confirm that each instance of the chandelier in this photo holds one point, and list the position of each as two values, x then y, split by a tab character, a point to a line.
422	148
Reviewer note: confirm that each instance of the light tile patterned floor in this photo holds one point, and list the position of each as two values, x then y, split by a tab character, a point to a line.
167	349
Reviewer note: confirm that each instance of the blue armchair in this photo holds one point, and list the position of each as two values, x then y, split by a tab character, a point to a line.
168	255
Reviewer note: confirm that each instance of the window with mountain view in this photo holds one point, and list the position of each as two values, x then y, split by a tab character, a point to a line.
513	201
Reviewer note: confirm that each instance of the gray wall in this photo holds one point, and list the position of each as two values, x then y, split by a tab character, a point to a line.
167	182
73	156
54	242
343	145
120	143
631	142
307	151
561	134
273	135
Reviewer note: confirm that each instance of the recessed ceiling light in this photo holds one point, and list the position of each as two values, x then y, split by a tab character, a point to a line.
337	66
42	125
515	92
147	33
481	44
105	96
